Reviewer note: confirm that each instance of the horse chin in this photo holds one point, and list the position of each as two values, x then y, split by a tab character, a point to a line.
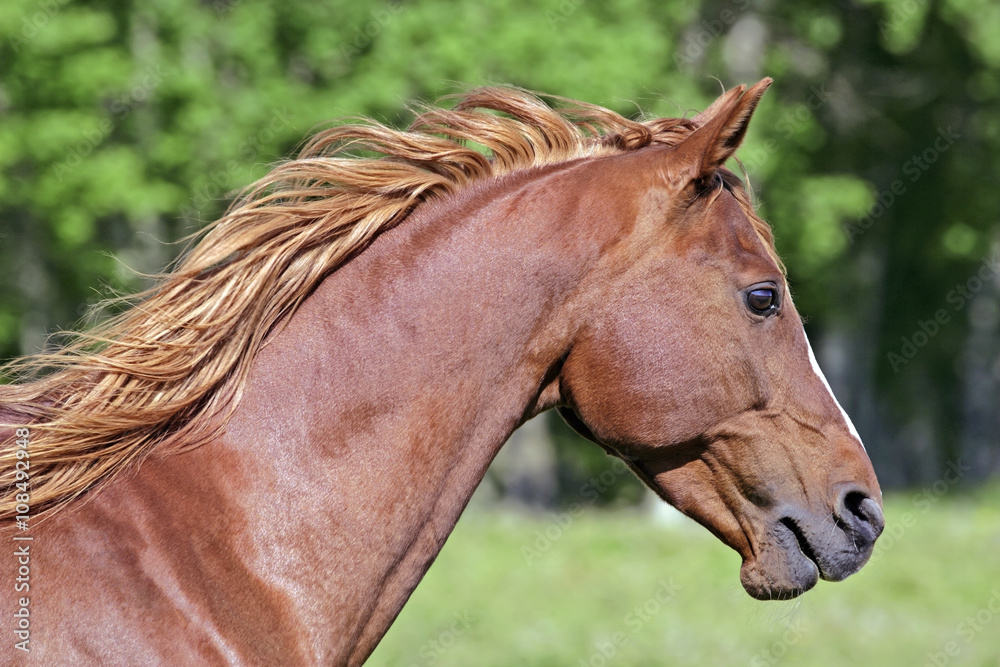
767	582
785	568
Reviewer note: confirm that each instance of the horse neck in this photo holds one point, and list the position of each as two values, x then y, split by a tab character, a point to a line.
370	419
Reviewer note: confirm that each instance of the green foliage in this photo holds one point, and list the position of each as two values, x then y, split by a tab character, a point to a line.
126	125
587	474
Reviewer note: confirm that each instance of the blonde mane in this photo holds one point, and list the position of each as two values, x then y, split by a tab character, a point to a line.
169	371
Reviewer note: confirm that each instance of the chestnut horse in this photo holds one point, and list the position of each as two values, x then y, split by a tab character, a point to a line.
258	461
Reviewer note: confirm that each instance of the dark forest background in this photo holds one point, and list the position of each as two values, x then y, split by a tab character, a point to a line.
875	156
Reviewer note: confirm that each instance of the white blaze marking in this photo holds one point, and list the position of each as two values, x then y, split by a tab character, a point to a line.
819	373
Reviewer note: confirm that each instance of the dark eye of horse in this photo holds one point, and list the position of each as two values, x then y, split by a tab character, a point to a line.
762	300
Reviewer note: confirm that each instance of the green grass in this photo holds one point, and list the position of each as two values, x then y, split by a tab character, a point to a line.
482	604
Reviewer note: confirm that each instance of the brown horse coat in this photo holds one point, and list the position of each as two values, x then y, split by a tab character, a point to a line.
268	470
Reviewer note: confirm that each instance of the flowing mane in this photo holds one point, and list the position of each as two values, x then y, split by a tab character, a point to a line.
168	371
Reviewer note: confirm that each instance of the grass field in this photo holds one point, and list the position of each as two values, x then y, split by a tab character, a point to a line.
624	589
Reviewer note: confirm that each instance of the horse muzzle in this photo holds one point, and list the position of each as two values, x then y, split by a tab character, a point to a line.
800	546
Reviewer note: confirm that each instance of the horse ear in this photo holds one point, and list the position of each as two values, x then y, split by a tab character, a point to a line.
721	128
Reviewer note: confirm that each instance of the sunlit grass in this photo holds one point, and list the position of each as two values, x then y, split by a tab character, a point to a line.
622	589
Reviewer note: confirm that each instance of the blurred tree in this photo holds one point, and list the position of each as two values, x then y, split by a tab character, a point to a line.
126	124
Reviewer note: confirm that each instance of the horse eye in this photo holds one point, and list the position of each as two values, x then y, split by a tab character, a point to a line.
762	300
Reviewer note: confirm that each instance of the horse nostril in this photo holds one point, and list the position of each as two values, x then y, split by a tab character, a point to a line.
861	514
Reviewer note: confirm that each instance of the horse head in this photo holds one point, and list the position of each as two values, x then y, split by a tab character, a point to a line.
694	368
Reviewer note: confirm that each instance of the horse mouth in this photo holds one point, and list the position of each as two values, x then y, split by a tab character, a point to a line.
785	568
802	542
799	552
